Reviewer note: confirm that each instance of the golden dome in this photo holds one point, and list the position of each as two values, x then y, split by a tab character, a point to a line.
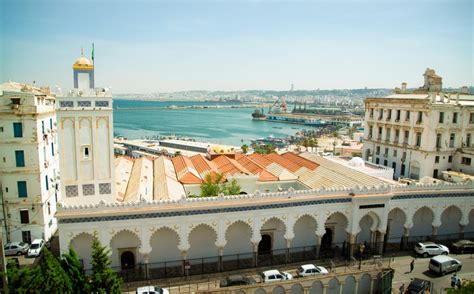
83	63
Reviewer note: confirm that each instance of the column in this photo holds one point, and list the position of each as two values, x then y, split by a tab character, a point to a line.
255	254
341	285
184	257
318	245
461	231
146	257
306	290
287	253
404	242
434	232
380	243
352	244
220	262
356	287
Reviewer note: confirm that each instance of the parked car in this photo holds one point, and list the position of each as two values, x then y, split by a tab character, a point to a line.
16	248
35	248
429	248
442	264
311	270
152	290
463	246
275	275
237	280
419	286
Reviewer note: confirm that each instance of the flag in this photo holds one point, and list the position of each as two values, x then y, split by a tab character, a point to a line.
92	53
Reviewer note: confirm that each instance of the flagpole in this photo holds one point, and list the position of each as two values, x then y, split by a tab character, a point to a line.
93	53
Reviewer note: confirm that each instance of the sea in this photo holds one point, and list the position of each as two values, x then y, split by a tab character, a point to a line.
137	119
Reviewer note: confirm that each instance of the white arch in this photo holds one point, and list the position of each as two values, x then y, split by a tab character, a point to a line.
422	221
164	245
304	230
238	238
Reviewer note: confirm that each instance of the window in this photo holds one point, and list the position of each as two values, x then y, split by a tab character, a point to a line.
22	190
398	115
387	135
466	160
20	158
438	140
377	150
16	101
86	152
49	208
370	132
397	135
471	118
24	216
377	161
402	170
407	117
441	117
17	130
455	118
418	139
389	114
26	236
371	113
47	182
42	126
436	159
1	129
386	152
435	173
395	153
385	162
407	135
51	123
380	133
452	137
420	117
52	149
450	158
380	114
468	140
394	166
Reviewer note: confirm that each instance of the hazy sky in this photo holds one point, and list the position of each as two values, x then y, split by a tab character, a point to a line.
145	46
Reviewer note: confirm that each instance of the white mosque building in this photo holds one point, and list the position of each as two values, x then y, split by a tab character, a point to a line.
292	207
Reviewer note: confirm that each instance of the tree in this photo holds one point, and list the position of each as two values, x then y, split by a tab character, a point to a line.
232	188
177	153
73	268
245	148
20	280
103	279
51	278
213	185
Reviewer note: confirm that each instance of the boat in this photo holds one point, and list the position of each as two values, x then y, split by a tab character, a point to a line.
258	115
270	140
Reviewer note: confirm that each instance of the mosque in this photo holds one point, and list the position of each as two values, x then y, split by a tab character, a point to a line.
290	206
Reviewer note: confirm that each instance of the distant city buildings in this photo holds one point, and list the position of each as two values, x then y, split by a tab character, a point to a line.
423	132
28	162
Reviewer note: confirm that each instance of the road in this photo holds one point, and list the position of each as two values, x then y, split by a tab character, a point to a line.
401	265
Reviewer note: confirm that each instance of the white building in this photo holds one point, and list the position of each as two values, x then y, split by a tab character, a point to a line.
29	162
422	132
86	139
292	207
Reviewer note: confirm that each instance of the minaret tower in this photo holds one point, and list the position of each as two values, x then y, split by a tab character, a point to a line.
85	132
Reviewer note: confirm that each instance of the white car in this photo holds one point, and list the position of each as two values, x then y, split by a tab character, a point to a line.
307	270
429	248
152	290
35	247
275	275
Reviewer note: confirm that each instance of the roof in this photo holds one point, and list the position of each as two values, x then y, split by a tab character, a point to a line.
185	170
229	166
165	184
203	166
301	161
255	168
287	164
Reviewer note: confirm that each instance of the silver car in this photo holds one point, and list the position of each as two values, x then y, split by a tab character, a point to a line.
16	248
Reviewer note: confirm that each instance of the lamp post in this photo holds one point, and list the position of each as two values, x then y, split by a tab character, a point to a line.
361	250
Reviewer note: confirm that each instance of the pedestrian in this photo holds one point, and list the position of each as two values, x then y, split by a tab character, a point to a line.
459	283
454	280
402	289
412	265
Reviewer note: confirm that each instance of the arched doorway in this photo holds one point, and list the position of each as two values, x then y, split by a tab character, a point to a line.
326	240
127	260
265	245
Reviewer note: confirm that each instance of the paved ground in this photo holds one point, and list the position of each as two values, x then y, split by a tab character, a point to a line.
400	264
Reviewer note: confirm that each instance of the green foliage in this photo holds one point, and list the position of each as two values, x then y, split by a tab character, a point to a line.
73	268
264	149
177	153
103	279
20	280
467	288
51	278
213	185
245	148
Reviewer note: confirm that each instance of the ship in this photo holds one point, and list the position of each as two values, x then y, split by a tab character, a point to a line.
258	115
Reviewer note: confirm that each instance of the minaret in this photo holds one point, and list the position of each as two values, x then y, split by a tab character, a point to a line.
85	132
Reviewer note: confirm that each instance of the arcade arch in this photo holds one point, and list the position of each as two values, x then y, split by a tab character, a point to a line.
450	220
349	286
202	241
367	224
422	222
125	246
273	232
82	244
364	284
333	287
164	244
336	229
238	238
396	224
305	232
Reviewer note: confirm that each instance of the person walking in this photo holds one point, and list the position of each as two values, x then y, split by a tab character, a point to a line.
402	289
454	280
412	265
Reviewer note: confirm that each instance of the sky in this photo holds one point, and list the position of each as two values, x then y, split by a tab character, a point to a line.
148	46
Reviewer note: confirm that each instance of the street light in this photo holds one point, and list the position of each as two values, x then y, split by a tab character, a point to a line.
361	250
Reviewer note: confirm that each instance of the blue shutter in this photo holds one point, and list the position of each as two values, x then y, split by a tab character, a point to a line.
42	126
20	158
47	183
18	130
52	149
22	191
51	123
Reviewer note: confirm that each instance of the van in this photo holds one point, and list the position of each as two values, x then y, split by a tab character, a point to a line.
443	264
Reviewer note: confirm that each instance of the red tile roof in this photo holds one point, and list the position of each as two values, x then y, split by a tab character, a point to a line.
255	169
185	170
300	160
288	164
229	166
